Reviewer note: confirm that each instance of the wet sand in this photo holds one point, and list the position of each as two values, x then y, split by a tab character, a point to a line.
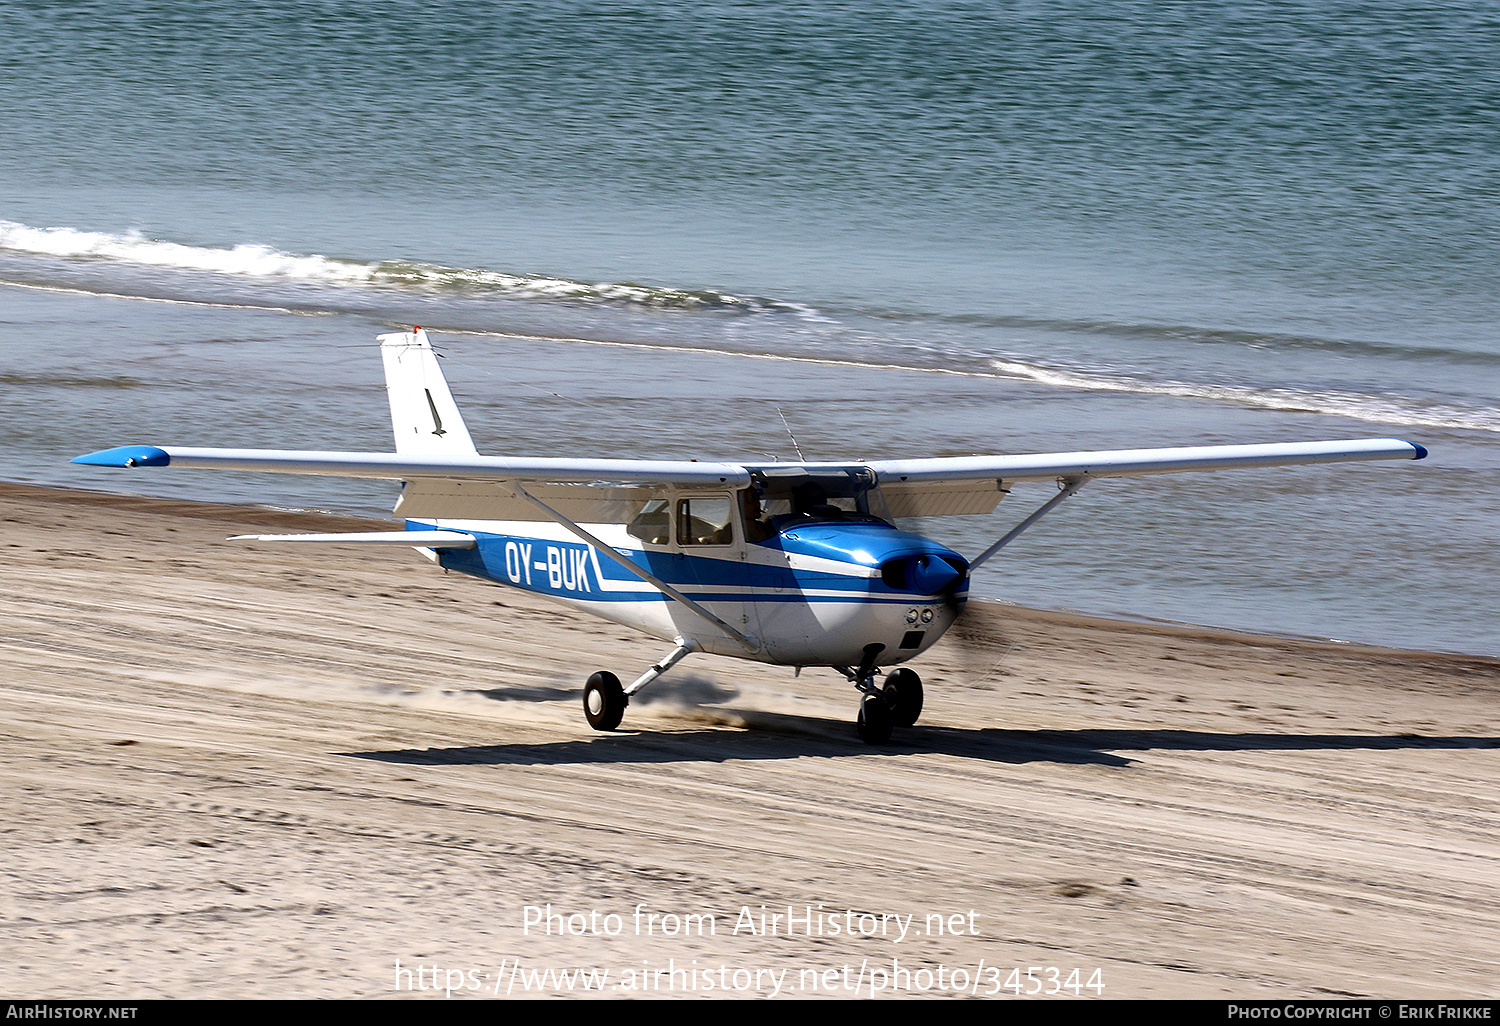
239	771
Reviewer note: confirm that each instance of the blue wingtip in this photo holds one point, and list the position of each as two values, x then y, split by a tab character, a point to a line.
126	456
1421	450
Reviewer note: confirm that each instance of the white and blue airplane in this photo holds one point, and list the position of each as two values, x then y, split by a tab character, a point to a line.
795	564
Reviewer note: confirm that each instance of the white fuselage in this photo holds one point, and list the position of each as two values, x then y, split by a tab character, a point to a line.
799	600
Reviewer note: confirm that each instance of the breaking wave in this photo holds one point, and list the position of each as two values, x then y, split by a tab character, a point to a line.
256	261
1356	406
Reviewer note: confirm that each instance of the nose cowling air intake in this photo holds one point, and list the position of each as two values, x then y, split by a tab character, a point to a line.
926	574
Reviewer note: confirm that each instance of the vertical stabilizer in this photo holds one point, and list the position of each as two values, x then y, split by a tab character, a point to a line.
423	414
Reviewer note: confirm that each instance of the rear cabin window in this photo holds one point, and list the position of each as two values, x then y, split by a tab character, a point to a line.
653	524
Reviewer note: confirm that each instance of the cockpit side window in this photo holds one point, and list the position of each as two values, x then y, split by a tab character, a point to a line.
757	523
705	520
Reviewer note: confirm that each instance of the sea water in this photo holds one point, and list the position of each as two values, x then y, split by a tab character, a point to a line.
907	229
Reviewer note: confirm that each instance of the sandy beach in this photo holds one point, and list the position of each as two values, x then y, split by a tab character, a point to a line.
236	771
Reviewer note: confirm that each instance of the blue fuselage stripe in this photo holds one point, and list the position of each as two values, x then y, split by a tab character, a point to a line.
573	570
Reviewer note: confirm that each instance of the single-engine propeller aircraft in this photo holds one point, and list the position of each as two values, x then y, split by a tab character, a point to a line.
796	564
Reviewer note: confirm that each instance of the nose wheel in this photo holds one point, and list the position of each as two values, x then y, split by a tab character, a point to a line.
897	702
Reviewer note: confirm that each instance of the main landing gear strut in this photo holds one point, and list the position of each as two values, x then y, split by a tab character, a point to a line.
896	703
604	700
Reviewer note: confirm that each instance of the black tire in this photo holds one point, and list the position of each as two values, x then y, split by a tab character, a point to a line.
874	723
903	693
604	701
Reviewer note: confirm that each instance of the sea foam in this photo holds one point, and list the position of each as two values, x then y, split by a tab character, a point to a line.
252	260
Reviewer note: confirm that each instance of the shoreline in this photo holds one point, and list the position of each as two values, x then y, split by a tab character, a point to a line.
235	774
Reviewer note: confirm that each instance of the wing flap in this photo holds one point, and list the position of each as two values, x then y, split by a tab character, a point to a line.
929	498
456	499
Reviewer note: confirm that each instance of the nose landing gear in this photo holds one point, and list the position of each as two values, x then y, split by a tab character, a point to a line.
895	703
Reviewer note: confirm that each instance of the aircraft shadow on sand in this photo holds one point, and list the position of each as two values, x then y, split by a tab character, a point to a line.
778	736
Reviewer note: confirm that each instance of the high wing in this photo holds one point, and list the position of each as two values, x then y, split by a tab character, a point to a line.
445	477
415	466
475	486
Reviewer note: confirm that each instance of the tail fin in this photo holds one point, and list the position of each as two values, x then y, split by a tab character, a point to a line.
423	414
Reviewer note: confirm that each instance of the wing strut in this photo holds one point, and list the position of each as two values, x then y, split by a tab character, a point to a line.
1069	486
750	644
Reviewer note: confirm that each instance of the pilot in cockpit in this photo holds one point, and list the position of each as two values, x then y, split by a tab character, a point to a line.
811	500
757	524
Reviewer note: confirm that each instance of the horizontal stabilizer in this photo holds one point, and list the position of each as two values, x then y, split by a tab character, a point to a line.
424	539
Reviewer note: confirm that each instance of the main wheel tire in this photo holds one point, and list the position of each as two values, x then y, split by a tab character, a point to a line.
604	701
874	723
903	693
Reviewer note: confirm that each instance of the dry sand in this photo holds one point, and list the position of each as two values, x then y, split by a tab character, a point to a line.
238	771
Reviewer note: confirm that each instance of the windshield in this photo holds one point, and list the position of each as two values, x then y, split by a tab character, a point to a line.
802	497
